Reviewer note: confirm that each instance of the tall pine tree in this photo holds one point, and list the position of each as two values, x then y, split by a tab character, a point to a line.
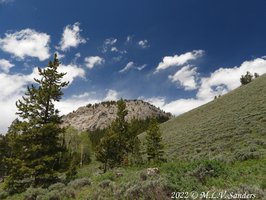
118	143
36	138
154	147
3	154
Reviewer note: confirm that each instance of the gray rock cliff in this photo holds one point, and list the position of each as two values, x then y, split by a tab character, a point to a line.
101	115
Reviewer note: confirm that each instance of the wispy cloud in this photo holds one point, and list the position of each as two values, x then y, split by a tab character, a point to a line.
129	38
143	44
92	61
6	1
127	67
132	65
178	60
108	44
5	65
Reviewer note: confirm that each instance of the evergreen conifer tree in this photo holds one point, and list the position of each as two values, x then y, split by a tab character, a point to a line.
116	145
108	152
35	141
154	147
245	79
3	154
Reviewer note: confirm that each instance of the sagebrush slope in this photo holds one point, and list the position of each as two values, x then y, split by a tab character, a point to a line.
230	127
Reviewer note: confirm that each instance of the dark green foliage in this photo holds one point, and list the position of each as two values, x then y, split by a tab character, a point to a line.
3	194
108	152
71	173
154	147
256	75
117	146
136	127
245	79
36	142
3	153
96	135
114	145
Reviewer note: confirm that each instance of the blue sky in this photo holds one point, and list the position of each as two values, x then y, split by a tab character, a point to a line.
176	54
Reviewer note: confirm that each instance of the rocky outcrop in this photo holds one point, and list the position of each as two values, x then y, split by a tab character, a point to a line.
101	115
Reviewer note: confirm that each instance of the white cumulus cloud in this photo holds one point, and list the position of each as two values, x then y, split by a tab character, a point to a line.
26	42
178	60
67	105
112	95
5	65
70	104
226	79
219	82
71	37
92	61
186	77
72	71
13	86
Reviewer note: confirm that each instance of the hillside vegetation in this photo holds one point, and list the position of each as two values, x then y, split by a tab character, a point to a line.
219	147
231	127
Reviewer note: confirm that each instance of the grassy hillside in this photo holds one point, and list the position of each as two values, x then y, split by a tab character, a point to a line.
218	147
230	127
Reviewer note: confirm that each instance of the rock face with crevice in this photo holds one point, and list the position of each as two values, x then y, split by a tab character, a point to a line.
101	115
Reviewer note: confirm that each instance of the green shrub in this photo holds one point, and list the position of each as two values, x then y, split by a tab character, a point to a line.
143	175
107	175
228	159
209	168
56	186
105	183
52	195
3	194
68	192
247	154
33	193
150	189
242	189
79	183
262	143
134	192
57	193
